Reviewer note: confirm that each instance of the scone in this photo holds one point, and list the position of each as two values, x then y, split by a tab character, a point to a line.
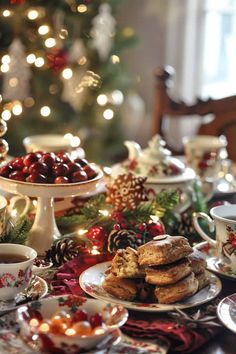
163	251
125	264
198	262
176	292
203	280
124	289
168	274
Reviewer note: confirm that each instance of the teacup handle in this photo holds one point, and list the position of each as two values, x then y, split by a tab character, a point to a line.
14	200
211	225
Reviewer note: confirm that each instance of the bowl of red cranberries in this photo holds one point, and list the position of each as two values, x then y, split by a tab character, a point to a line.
70	324
48	168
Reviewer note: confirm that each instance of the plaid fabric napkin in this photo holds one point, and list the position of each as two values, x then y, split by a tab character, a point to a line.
181	338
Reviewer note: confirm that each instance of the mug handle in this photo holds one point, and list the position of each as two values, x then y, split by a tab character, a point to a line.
14	200
211	225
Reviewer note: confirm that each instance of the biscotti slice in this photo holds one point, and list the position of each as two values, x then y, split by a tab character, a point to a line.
124	289
125	264
198	262
168	274
163	251
184	288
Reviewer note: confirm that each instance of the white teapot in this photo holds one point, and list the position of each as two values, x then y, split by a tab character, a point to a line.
162	170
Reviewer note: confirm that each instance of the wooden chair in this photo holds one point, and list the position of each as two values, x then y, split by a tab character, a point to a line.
224	111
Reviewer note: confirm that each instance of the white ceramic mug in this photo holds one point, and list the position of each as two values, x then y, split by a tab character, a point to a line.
223	221
17	207
15	277
204	154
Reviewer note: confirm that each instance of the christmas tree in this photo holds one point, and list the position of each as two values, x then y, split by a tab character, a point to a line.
61	72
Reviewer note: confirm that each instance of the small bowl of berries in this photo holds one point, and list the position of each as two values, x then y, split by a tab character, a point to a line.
41	266
70	324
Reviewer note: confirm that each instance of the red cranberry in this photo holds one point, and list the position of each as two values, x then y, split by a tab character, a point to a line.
26	170
17	176
61	179
79	176
39	167
96	320
203	165
5	170
79	315
82	162
36	177
73	167
48	158
91	173
30	158
60	169
17	163
64	157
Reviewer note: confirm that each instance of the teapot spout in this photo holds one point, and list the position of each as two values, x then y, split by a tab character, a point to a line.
134	149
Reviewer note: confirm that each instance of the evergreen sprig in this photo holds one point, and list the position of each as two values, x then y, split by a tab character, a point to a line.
17	232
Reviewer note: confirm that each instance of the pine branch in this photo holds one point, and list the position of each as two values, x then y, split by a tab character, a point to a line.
71	220
17	233
167	199
92	207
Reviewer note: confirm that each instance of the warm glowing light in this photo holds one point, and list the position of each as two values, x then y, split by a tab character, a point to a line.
32	14
82	8
94	250
128	32
117	97
75	141
39	62
50	42
108	114
63	34
17	109
6	59
102	100
67	73
34	322
6	114
70	332
82	60
44	327
104	212
45	111
6	13
115	59
44	29
4	68
81	232
99	330
31	58
13	82
29	102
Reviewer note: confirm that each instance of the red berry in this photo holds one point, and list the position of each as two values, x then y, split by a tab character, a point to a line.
203	165
17	175
26	170
142	227
60	169
91	173
79	176
96	320
17	163
82	162
73	167
6	170
116	227
61	179
80	315
35	177
39	167
48	158
30	158
64	157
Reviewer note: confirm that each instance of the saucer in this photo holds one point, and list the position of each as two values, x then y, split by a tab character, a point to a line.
38	288
213	263
226	311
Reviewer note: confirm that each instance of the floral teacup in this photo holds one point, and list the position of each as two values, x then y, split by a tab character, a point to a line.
16	263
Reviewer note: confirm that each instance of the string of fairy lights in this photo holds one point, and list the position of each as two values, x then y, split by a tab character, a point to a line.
37	59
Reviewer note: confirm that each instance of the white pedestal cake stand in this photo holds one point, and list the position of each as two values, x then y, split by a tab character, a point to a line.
44	229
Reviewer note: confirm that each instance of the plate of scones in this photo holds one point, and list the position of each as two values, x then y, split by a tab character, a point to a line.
161	275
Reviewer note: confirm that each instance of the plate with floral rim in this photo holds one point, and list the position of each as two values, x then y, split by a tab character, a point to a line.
213	262
37	289
92	278
226	311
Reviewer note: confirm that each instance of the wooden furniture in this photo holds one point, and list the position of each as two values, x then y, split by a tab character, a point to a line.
224	111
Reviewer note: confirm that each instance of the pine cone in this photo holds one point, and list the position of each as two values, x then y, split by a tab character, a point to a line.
119	239
62	251
186	225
